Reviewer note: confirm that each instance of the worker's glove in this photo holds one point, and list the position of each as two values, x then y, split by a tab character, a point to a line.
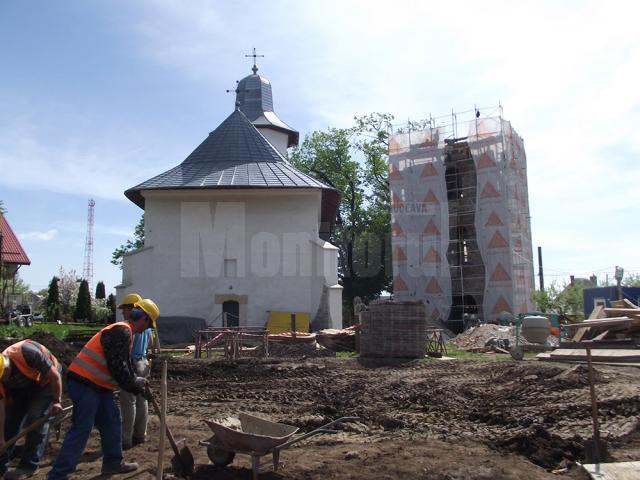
56	409
141	383
148	396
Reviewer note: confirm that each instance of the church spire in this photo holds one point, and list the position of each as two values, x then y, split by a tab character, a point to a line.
254	69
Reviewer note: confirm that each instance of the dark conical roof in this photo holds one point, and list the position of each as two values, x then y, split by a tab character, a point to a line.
255	99
236	155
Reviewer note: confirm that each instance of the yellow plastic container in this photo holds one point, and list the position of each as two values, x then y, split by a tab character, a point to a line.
281	322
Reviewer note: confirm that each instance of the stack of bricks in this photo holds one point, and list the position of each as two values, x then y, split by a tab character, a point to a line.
393	330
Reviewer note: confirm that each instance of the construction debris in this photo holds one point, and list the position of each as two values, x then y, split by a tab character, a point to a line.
484	336
601	355
617	327
338	340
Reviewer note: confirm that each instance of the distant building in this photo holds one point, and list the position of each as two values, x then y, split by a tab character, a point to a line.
236	228
602	296
461	232
12	257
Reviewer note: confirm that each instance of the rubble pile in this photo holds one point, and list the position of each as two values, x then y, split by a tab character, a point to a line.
478	337
338	340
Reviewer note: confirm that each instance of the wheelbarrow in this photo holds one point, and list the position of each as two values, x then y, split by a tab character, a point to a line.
257	437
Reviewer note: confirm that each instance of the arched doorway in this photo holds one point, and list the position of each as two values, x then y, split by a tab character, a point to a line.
231	310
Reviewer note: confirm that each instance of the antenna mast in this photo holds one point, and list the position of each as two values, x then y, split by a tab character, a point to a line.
87	267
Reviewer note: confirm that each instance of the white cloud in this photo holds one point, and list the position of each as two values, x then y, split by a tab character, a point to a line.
40	236
91	158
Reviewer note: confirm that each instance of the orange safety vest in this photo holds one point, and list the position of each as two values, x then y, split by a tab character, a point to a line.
14	352
91	362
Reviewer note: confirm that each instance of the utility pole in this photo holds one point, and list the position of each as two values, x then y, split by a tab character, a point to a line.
618	276
540	273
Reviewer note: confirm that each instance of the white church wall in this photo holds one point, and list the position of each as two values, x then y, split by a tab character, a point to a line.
270	234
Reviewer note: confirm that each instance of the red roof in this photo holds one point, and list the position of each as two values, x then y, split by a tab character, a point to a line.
12	251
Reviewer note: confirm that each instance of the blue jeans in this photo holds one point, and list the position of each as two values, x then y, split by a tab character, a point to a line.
90	407
26	407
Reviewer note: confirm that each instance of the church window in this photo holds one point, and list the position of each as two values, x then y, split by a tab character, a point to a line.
230	267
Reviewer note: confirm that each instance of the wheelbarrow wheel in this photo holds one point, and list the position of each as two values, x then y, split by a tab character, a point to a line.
218	455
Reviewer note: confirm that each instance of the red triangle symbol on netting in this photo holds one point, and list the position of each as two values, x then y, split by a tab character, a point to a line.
394	173
485	161
431	198
399	255
429	170
494	220
489	191
431	228
432	256
399	285
500	274
433	287
498	241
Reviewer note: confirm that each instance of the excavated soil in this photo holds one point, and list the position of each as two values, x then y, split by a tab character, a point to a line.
443	420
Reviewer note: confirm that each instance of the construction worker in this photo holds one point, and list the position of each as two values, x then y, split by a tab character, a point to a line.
98	370
134	408
127	304
30	388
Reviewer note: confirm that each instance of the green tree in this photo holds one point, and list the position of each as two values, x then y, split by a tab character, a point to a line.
111	305
631	280
130	245
20	287
354	161
52	302
100	291
83	303
564	301
2	209
68	285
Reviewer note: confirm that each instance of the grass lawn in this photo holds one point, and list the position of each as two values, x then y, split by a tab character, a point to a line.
60	331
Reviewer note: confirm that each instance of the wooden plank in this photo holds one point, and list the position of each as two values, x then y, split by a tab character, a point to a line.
597	312
613	471
608	322
580	333
601	336
630	304
599	355
618	312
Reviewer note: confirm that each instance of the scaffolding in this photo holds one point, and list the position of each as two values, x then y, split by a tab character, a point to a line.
460	217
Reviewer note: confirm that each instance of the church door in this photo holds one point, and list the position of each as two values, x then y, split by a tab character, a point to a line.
231	309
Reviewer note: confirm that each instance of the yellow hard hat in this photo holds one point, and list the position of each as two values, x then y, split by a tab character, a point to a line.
130	299
4	364
149	307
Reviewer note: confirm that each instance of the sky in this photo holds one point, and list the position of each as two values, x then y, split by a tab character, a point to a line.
96	97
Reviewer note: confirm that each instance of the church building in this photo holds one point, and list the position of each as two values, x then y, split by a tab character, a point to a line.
236	228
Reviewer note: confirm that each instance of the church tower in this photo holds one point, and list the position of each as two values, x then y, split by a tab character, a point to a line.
255	100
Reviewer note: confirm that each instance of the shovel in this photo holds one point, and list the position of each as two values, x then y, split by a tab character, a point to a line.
36	424
182	463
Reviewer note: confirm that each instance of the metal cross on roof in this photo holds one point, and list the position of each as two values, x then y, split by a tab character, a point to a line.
254	69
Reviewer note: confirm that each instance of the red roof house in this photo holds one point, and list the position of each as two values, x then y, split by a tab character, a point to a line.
12	253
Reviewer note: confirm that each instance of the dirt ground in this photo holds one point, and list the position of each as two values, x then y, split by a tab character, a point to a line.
430	419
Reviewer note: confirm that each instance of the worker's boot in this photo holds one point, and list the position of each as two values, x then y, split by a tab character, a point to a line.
124	467
20	473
